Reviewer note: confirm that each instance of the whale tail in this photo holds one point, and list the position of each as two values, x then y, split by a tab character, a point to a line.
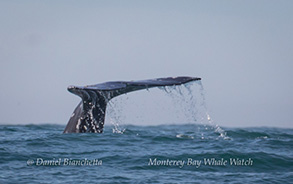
89	115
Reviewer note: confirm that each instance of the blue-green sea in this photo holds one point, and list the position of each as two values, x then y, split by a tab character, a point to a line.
187	153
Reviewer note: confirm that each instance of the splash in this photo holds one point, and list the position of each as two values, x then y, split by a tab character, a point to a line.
190	98
185	104
115	115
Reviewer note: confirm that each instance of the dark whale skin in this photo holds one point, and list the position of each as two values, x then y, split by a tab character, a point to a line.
89	115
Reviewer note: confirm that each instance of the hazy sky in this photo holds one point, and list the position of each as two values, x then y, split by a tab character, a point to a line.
242	50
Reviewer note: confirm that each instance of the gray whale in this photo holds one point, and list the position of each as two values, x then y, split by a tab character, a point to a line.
89	115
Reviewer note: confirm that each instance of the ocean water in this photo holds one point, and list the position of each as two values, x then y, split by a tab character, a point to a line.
189	147
187	153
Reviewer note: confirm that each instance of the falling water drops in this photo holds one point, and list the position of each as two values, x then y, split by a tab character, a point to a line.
166	105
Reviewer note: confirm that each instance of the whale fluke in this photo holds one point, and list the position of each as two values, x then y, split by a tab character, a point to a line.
89	115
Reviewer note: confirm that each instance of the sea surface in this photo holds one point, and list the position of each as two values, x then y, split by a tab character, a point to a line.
188	153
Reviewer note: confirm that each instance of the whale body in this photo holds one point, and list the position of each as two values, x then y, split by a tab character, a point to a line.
89	115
